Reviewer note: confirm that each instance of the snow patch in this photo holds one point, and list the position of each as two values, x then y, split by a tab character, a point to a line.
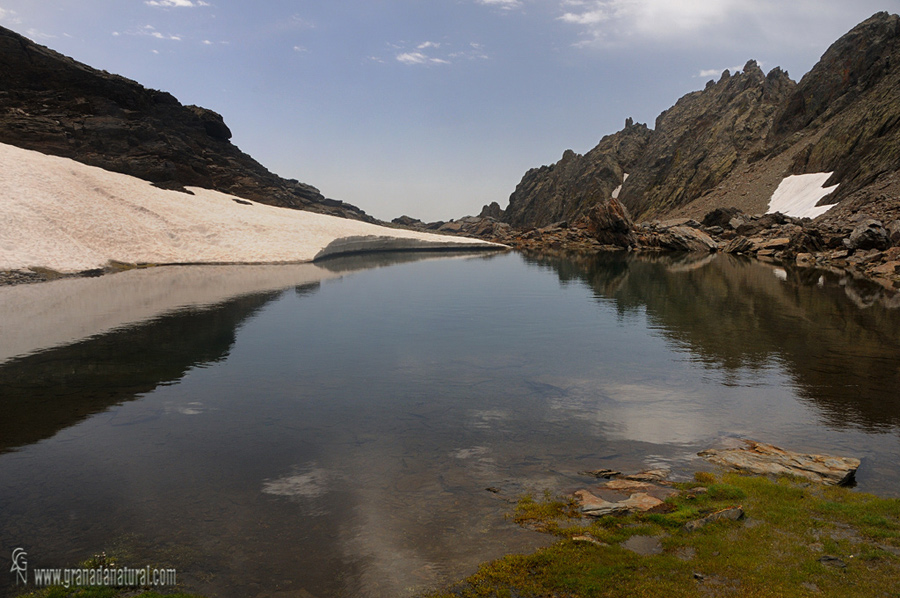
60	214
797	195
617	190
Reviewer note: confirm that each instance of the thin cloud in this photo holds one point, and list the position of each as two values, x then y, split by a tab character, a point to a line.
502	4
615	21
718	72
176	3
149	31
9	16
429	52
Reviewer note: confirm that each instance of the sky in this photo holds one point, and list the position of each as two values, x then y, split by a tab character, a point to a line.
431	108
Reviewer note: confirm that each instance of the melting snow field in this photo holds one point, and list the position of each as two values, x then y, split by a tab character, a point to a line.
797	195
60	214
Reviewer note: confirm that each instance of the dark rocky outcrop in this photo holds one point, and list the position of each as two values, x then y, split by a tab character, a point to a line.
568	189
55	105
698	142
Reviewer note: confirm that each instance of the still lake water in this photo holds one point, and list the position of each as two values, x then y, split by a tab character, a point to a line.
330	430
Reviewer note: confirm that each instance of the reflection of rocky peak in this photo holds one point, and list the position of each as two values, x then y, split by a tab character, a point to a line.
569	188
55	105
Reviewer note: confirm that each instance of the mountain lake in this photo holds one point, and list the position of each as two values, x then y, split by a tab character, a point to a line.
333	429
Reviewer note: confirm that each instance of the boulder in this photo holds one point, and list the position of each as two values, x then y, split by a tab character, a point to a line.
721	217
684	238
869	235
760	458
610	224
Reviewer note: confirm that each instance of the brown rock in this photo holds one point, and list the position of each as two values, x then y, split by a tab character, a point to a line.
760	458
597	507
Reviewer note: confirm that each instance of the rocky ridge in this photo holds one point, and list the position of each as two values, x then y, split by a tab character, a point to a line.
701	180
55	105
731	144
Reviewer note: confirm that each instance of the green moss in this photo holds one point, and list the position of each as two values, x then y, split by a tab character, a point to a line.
777	550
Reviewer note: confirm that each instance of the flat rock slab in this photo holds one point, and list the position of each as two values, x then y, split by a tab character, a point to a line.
760	458
597	507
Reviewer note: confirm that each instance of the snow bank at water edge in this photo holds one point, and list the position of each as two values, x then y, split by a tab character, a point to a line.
60	214
797	195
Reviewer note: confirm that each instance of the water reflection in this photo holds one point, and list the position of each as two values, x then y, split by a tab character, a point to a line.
839	338
337	439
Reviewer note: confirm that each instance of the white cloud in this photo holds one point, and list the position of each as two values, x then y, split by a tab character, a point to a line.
412	58
610	21
429	52
150	31
502	4
176	3
718	72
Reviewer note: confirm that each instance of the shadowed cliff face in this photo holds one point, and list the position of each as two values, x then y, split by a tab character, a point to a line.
731	144
55	105
569	188
838	339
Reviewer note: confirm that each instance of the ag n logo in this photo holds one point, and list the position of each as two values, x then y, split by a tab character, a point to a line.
20	566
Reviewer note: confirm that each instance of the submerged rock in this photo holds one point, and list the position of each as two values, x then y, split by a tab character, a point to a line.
760	458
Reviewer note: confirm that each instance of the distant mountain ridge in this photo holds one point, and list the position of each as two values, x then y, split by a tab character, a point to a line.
55	105
731	144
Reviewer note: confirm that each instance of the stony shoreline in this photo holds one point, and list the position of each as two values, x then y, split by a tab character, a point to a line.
863	246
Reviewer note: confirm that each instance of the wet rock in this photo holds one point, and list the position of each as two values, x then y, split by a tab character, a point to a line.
601	473
869	235
650	475
732	514
760	458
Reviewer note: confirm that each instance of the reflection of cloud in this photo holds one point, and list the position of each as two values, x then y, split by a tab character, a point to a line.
312	483
192	408
487	419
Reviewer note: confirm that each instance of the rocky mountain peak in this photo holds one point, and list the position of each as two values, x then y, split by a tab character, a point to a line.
853	64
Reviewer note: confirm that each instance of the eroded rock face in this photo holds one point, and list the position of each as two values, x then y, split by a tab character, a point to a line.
569	188
55	105
698	142
760	458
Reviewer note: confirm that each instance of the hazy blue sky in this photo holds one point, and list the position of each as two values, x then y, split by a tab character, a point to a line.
431	108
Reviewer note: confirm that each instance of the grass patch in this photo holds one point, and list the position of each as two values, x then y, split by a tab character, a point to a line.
797	540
